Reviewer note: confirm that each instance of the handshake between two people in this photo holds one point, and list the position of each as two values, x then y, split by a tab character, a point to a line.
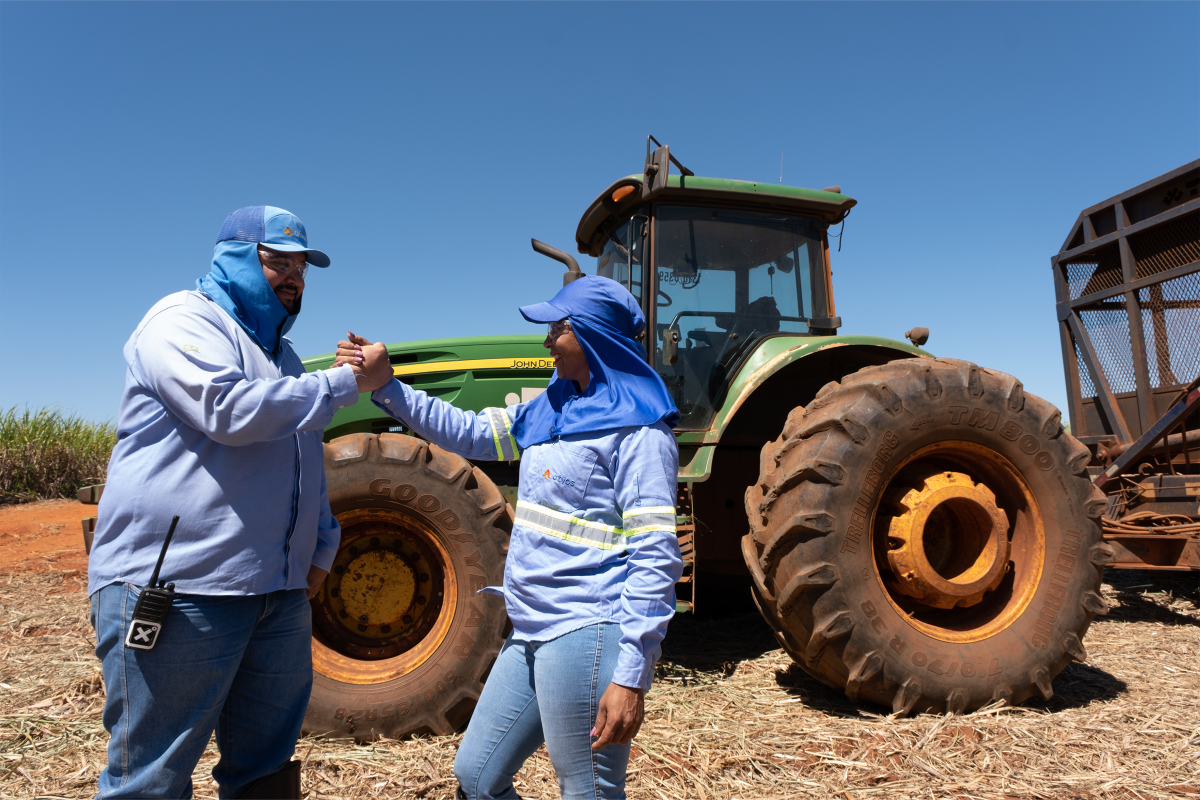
370	363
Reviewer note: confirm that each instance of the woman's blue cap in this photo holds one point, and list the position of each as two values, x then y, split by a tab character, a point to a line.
592	298
274	227
623	389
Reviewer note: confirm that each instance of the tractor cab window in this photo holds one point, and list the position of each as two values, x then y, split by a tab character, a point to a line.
726	279
621	258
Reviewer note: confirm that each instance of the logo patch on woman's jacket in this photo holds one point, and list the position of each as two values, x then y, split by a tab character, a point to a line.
557	479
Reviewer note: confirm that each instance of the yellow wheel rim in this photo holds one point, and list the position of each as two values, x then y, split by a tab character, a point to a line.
389	599
958	541
949	545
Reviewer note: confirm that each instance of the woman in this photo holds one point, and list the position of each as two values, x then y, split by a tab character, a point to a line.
589	584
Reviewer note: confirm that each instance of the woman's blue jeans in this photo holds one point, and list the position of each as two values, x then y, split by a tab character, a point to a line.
241	666
545	692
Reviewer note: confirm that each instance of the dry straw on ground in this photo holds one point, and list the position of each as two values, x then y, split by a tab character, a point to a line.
729	717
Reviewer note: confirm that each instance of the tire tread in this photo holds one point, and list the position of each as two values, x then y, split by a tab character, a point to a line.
809	467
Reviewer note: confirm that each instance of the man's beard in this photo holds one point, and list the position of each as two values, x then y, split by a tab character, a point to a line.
294	307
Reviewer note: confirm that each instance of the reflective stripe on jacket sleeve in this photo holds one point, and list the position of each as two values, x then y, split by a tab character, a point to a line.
479	437
506	445
644	520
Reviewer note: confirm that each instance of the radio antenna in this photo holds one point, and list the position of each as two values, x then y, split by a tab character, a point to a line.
781	166
163	554
684	170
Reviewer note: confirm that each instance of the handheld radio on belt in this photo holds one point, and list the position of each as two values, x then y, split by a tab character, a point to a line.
150	613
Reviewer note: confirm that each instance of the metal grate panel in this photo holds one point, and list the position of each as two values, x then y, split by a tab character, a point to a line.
1078	275
1108	326
1166	246
1086	389
1095	272
1171	321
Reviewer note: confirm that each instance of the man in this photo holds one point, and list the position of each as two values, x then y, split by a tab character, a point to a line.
220	425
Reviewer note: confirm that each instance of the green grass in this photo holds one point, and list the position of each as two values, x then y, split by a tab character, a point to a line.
46	454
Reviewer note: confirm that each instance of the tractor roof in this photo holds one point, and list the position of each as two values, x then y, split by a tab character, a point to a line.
830	207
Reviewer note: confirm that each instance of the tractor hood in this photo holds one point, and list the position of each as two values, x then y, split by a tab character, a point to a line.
829	207
473	373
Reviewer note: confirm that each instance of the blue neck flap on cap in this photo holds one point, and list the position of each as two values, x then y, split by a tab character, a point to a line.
623	390
237	284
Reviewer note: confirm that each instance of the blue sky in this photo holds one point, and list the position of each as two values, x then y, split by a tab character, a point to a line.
424	144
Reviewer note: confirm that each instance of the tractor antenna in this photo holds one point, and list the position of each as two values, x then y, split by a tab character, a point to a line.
781	166
682	169
843	230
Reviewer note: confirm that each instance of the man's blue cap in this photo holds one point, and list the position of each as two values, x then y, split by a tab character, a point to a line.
273	227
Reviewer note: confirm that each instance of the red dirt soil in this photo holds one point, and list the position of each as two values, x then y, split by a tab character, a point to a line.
43	536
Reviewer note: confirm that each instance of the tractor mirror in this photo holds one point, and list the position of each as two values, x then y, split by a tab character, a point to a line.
658	163
918	336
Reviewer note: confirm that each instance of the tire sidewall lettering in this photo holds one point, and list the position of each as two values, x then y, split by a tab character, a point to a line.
384	707
916	648
408	495
401	492
856	535
974	416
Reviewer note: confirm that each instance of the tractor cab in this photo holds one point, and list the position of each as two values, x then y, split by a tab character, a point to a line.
718	265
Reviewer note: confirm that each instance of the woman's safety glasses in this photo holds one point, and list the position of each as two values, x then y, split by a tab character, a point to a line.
557	329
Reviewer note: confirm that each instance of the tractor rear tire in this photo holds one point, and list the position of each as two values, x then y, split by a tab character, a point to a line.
924	536
401	642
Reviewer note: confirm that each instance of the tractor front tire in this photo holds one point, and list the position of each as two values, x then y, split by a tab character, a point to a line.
924	536
401	642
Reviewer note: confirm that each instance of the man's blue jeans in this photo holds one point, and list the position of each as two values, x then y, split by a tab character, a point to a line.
548	691
241	666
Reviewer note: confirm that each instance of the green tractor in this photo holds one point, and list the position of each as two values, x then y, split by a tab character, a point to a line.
919	533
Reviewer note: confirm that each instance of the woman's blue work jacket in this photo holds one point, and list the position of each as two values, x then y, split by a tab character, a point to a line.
594	539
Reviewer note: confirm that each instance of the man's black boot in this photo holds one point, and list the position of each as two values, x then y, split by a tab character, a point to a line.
282	784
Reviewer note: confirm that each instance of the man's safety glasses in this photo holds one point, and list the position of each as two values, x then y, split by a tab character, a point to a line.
283	264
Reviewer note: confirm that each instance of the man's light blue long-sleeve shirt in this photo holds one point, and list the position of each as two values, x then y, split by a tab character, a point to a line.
214	429
594	539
